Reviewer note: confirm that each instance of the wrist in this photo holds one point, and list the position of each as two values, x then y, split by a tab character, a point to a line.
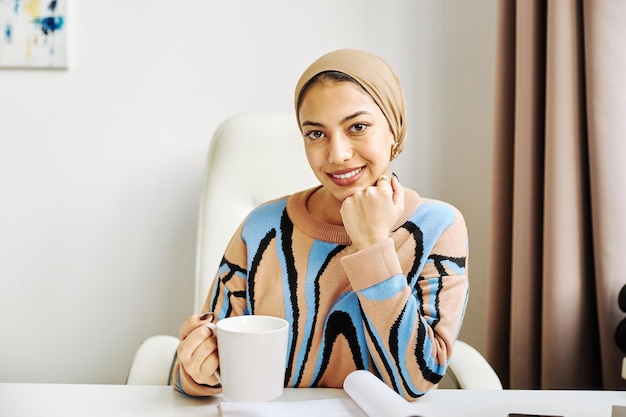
365	242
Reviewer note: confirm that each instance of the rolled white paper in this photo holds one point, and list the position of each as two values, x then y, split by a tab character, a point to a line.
375	397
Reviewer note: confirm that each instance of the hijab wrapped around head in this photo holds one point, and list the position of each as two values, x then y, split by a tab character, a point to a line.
376	77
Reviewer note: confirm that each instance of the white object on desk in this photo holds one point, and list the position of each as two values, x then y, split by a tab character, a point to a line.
619	411
252	350
369	397
374	397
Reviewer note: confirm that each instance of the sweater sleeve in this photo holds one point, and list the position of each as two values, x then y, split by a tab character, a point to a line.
225	298
413	293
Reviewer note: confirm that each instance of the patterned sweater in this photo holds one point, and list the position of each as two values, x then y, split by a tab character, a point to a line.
394	308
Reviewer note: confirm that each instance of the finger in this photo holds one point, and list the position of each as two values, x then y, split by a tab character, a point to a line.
398	190
209	367
395	182
188	346
383	178
205	359
194	322
195	349
384	183
206	348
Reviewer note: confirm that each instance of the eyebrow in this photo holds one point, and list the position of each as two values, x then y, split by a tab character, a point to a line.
344	120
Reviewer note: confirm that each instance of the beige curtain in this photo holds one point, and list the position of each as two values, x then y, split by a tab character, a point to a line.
558	256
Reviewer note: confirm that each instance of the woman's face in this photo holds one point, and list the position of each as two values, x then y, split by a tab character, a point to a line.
347	138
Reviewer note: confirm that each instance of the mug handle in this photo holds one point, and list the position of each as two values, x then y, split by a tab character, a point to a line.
213	328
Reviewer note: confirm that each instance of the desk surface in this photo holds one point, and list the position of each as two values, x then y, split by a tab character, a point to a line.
68	400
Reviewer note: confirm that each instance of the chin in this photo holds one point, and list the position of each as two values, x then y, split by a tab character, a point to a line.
340	193
348	192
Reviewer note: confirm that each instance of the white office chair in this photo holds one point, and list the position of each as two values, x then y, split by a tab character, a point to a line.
468	369
254	158
154	361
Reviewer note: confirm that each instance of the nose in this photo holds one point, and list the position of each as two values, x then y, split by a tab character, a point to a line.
340	149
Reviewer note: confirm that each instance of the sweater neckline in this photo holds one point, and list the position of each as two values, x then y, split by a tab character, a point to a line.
304	220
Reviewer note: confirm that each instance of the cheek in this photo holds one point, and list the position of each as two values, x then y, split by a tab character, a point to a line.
313	158
389	144
391	139
382	150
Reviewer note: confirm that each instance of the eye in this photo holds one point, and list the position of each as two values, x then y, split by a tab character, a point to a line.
358	127
314	134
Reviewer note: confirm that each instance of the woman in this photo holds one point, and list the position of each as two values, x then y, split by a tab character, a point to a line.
369	274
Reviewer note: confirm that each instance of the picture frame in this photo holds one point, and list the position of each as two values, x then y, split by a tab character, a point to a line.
33	34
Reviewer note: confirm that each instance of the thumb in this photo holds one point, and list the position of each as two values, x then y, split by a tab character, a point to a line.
398	191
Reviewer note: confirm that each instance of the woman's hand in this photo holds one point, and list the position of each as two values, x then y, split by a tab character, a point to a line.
197	351
370	214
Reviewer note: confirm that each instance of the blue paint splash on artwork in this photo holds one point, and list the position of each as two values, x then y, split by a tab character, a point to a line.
49	24
8	32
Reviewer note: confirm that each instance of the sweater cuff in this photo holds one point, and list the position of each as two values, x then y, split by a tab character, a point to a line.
372	265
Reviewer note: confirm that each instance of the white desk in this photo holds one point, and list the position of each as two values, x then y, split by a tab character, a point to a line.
51	400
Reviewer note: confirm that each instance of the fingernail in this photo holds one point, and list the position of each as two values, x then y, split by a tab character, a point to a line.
394	174
206	316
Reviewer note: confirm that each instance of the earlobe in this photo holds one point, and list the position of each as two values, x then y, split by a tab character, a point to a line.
394	151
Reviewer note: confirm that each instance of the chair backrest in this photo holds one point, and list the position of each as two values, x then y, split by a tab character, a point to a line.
252	158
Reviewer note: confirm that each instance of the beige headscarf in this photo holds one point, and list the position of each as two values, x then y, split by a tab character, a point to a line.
375	76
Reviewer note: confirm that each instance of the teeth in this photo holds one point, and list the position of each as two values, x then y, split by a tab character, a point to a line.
347	174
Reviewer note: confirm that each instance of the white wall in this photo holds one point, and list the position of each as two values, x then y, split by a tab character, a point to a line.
100	165
462	129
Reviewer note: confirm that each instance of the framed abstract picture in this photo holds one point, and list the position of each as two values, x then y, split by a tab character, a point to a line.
33	34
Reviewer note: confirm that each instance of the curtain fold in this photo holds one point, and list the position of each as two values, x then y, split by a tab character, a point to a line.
557	233
526	257
605	32
499	297
568	277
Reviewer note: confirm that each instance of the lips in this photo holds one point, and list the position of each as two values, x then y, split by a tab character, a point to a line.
346	177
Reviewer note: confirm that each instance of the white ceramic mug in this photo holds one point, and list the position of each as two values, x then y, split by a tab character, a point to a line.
252	351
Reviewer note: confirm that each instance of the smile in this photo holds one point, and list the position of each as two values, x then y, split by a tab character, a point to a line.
347	175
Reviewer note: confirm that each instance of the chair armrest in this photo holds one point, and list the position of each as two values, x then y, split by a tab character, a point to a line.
470	370
153	361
